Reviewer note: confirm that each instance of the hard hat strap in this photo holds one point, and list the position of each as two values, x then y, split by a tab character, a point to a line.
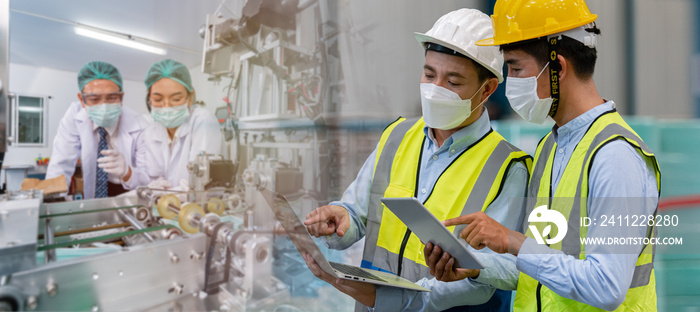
443	49
581	35
554	68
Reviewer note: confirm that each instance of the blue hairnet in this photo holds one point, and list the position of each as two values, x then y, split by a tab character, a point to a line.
98	70
169	69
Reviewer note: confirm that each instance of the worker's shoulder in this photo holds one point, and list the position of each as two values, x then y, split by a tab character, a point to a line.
74	117
73	110
202	114
619	148
618	156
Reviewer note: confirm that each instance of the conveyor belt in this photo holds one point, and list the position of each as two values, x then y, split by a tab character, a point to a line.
86	211
101	238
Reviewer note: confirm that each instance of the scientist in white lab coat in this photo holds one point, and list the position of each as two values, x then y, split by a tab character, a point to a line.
181	130
101	132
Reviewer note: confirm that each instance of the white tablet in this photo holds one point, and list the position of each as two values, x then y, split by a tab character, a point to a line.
429	229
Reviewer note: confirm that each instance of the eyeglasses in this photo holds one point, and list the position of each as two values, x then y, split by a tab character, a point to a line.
99	98
176	100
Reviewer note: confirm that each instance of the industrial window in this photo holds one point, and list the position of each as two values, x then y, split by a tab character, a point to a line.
28	120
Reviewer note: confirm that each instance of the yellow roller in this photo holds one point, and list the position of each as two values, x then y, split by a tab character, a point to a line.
216	205
164	202
186	214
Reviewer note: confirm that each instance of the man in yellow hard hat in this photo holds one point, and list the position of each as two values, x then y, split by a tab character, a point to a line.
590	169
450	159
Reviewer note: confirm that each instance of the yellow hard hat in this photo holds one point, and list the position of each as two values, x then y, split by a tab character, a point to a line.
519	20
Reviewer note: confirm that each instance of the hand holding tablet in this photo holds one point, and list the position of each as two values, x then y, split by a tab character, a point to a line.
430	230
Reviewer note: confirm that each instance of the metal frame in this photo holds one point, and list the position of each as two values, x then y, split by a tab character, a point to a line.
134	278
14	122
72	215
4	70
18	228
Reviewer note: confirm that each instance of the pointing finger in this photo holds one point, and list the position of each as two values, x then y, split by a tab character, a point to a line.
460	220
316	218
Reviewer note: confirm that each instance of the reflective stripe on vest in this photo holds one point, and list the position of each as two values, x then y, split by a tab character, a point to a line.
469	184
389	141
570	199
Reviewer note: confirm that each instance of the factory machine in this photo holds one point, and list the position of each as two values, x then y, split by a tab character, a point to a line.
196	249
285	66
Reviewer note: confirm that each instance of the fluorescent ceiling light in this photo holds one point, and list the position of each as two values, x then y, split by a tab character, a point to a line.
31	109
120	40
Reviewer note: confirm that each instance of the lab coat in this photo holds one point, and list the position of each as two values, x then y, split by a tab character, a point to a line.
76	137
169	159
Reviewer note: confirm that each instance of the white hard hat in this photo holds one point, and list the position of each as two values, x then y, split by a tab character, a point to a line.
459	30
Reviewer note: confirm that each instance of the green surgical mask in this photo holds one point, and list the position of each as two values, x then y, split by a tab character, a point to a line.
104	115
170	117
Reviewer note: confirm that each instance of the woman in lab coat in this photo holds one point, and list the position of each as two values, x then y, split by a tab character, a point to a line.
180	130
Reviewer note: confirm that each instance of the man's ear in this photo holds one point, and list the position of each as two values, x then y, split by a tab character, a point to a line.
564	64
80	97
489	88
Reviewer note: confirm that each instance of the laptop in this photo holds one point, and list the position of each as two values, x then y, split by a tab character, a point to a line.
428	228
305	243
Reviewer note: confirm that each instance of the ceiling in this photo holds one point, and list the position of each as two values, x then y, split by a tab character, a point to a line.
43	42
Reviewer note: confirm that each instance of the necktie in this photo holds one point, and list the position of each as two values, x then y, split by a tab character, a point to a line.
101	181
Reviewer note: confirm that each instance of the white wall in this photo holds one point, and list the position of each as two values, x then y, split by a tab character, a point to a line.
62	87
211	93
666	38
610	72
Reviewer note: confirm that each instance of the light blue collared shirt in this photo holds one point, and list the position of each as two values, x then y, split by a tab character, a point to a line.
603	277
433	162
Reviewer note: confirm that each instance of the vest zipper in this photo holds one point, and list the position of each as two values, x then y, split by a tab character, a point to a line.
403	248
539	297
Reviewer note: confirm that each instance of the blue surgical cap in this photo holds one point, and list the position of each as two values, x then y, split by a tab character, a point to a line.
99	70
169	69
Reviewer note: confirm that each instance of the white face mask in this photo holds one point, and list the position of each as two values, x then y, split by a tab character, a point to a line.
170	117
104	115
444	109
522	95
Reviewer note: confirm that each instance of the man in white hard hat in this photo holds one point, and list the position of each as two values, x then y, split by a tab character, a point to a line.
450	159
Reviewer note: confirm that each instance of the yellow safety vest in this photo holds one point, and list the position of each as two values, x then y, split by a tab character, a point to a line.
570	199
469	184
